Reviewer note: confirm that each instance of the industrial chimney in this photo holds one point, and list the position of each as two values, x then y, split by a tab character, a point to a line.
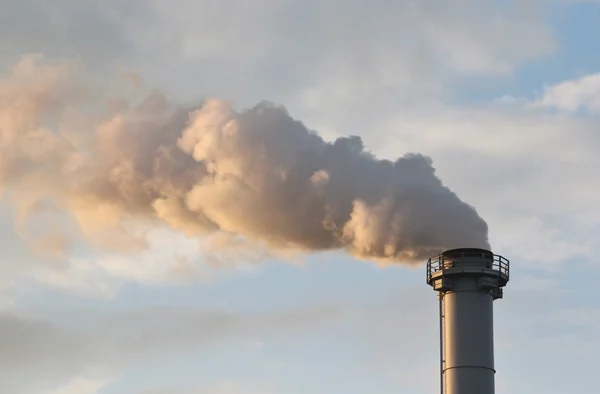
467	282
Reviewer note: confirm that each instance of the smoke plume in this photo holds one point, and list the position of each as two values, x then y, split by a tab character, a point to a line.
95	165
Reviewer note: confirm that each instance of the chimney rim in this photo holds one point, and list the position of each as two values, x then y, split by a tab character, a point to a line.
473	252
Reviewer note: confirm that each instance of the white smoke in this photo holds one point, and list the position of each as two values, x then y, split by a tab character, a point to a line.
258	175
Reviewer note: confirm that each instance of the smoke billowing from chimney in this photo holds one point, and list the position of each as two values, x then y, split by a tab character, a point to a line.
258	174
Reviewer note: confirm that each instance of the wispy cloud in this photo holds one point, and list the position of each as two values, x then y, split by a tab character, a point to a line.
87	383
56	350
571	96
220	388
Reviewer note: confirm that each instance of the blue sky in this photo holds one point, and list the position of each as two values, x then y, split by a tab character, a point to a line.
503	97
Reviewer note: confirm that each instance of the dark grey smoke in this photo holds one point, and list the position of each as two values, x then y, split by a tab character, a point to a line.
258	174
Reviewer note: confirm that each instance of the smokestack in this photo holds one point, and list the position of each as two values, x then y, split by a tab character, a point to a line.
467	281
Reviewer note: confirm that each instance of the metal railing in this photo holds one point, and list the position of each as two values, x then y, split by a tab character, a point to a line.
442	263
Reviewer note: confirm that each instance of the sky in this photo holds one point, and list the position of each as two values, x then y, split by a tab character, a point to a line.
503	96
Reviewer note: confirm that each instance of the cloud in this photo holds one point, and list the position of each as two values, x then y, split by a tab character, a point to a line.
39	348
572	95
81	385
372	51
377	56
219	388
56	350
100	33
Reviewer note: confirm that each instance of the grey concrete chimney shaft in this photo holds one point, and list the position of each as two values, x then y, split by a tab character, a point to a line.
467	281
